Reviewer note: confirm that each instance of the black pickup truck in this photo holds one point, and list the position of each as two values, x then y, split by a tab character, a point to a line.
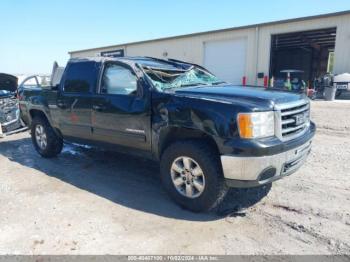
207	135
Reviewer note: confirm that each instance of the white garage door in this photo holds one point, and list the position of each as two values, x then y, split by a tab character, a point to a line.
226	59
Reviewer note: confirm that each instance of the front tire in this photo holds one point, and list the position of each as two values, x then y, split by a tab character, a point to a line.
46	142
192	175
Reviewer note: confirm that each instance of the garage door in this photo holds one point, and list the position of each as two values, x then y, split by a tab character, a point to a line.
226	59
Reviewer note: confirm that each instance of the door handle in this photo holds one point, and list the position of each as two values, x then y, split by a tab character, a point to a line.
61	104
98	107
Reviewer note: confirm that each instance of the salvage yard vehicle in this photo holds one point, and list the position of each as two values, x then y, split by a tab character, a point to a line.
207	135
342	83
10	120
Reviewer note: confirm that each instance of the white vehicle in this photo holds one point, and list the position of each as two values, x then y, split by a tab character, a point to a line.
342	83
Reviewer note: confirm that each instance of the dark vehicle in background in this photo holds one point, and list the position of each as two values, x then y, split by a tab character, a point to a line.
207	135
10	120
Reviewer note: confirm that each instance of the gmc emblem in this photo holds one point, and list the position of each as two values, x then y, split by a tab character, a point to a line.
300	119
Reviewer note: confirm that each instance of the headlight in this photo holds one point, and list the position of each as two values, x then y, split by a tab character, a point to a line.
256	125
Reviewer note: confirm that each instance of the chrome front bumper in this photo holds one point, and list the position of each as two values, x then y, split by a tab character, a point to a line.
255	171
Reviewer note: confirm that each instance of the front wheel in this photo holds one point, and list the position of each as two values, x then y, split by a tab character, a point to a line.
191	173
46	142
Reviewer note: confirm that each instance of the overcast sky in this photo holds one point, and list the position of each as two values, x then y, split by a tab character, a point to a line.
36	33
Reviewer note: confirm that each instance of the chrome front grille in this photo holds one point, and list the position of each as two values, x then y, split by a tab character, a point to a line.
292	119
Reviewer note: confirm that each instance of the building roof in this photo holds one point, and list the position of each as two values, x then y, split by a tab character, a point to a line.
220	30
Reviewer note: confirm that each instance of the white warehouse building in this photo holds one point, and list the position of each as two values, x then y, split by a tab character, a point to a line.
316	45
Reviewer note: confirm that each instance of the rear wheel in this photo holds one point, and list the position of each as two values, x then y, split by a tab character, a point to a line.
192	174
46	142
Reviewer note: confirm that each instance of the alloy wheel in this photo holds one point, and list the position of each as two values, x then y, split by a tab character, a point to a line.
40	137
187	177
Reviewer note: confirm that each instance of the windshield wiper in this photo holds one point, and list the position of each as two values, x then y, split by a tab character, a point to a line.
218	83
203	84
184	85
194	84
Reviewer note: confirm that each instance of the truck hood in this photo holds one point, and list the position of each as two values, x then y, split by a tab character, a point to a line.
8	84
254	97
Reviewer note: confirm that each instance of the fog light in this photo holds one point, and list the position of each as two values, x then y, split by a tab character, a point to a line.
268	173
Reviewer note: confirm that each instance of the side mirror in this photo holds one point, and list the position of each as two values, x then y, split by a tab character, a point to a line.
55	87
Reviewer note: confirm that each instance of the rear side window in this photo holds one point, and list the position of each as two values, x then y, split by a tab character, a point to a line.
81	77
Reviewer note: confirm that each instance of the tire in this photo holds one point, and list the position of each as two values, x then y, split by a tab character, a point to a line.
54	143
213	187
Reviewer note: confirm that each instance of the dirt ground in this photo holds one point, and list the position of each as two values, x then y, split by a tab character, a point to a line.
88	201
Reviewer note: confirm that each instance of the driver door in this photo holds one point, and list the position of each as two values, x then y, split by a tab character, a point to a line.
121	113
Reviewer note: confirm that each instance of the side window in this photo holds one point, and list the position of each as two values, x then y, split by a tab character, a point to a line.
80	77
118	80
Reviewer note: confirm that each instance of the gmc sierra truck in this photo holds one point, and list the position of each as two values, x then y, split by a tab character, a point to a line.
207	135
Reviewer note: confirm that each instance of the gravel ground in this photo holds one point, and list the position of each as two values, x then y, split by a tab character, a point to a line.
88	201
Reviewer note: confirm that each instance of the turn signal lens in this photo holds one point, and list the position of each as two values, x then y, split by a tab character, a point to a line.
256	125
245	125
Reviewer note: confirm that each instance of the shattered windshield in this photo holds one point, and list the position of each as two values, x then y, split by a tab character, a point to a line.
166	79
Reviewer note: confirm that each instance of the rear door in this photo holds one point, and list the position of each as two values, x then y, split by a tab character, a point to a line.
74	100
121	110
